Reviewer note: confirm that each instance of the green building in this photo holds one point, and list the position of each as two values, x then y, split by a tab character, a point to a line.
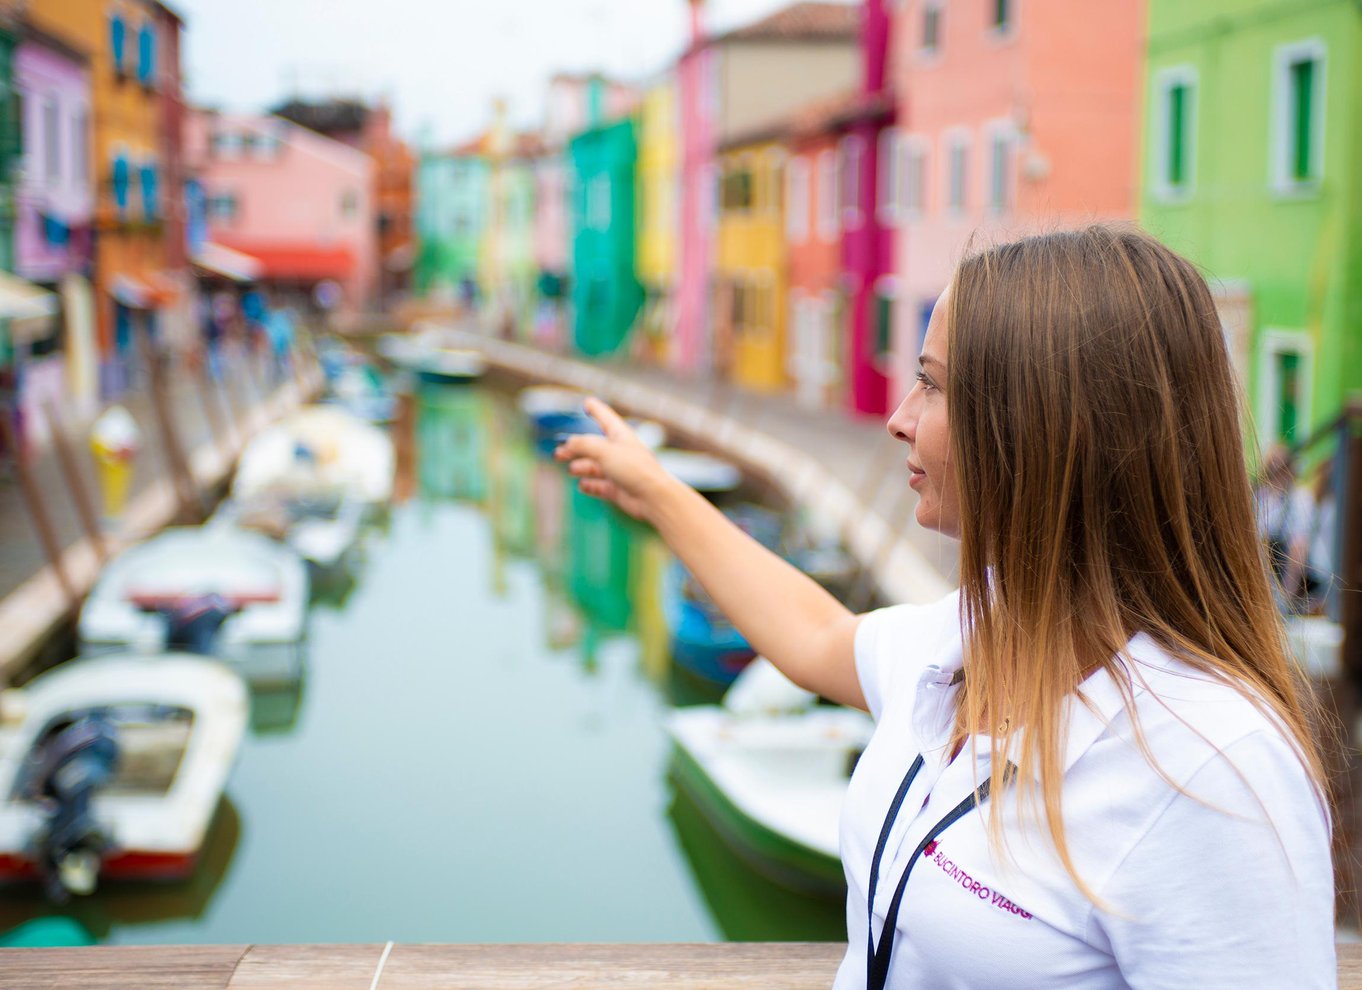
1252	139
451	220
606	293
11	154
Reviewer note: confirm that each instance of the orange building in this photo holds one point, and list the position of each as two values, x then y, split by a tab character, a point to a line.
137	190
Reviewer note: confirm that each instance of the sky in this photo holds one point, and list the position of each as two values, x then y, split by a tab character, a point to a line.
439	63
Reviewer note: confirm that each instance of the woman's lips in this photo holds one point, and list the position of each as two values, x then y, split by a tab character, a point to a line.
915	475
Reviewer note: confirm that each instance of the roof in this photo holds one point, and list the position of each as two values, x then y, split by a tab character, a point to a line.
329	117
54	43
806	20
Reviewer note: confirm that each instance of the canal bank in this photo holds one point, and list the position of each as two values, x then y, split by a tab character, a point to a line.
53	544
845	474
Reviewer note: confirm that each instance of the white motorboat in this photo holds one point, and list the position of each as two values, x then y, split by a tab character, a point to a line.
323	529
704	472
216	590
113	768
316	452
451	366
769	770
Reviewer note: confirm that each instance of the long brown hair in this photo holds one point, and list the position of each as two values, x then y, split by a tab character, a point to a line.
1103	491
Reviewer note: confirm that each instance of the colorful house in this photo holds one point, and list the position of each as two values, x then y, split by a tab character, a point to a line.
1251	144
54	210
817	348
658	217
451	214
508	269
137	286
750	296
730	85
1012	121
298	202
369	129
606	294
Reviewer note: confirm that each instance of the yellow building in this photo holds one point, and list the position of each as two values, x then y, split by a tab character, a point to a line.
130	72
750	274
658	200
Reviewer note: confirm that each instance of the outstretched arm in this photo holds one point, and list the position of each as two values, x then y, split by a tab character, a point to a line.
783	613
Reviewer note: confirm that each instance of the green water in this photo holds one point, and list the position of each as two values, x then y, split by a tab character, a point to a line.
476	751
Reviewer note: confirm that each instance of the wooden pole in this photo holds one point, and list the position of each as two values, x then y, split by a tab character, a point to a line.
181	477
1350	545
75	482
37	508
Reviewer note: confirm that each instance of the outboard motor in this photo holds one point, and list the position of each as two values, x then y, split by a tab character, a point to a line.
193	626
72	765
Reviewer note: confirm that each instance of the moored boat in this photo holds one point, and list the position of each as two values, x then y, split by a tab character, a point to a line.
113	767
450	366
771	779
215	590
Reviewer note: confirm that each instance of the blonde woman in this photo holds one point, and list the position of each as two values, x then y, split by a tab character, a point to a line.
1092	766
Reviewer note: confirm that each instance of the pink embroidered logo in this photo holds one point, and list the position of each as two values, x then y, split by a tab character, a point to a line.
972	886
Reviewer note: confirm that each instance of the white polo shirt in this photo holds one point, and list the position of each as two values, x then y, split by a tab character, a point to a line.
1230	885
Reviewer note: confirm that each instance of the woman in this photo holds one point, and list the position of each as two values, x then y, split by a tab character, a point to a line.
1092	766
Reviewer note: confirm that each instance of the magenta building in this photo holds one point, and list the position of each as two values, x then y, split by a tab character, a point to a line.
696	92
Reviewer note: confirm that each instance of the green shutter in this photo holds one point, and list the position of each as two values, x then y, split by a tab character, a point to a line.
1303	105
1288	396
1177	134
884	323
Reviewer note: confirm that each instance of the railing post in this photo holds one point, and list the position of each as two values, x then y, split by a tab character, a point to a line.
1346	604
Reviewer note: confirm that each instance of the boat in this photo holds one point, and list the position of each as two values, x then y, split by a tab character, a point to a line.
317	452
360	391
555	413
704	643
112	769
215	590
324	528
769	770
450	366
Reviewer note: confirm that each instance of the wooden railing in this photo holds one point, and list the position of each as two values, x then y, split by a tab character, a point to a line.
730	966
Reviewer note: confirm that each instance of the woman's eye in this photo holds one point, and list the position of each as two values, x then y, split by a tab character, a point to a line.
924	381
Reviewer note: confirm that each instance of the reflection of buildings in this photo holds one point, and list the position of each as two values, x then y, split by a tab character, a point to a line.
600	543
451	432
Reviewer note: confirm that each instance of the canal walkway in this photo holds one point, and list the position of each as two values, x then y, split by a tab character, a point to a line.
844	472
52	541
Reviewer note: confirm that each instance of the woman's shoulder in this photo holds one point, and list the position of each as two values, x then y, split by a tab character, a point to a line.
896	643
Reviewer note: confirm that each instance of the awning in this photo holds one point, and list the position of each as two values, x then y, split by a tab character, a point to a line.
300	262
29	307
225	262
131	292
22	300
401	258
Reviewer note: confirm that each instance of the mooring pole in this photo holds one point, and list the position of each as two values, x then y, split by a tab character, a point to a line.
75	482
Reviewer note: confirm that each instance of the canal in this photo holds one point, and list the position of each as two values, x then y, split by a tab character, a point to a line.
475	752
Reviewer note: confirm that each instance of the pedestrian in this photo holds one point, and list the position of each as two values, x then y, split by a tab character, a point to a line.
1283	511
1092	765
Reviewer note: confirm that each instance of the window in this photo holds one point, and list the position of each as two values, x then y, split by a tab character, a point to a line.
222	207
121	178
1174	138
852	150
887	181
1000	169
150	193
80	147
349	204
738	192
146	55
913	196
775	182
957	172
931	26
884	322
827	195
118	43
1000	18
227	144
797	200
598	203
1298	126
51	140
1286	358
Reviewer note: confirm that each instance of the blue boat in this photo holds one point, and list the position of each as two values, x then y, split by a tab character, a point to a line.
703	642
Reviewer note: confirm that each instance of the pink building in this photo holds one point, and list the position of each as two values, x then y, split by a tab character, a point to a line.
299	202
695	82
1015	116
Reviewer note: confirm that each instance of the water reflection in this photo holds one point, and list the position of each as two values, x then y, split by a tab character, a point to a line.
451	442
275	707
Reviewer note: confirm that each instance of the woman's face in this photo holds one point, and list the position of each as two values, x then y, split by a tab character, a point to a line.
921	422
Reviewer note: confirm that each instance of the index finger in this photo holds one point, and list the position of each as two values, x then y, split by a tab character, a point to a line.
610	421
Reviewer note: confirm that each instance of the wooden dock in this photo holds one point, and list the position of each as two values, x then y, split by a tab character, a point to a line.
727	966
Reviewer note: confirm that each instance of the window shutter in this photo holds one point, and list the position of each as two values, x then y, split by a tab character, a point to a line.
118	41
146	55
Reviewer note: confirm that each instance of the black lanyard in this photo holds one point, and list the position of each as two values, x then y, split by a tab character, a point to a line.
877	960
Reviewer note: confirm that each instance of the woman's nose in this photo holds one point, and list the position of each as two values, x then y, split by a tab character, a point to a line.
900	424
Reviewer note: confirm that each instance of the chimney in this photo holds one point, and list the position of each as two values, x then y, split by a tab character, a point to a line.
697	22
